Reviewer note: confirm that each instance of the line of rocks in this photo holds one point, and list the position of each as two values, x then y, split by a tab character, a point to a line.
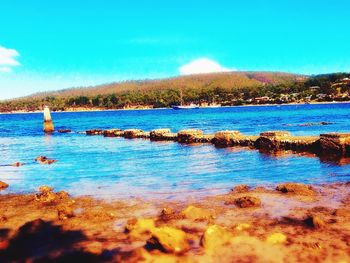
337	144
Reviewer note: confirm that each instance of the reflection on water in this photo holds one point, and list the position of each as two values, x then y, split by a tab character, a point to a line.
116	167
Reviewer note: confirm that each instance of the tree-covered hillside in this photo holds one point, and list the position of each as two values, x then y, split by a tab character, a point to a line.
233	88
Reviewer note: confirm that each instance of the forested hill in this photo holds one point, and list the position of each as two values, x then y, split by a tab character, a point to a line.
231	88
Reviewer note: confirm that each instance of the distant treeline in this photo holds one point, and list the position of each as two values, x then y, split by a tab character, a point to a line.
223	88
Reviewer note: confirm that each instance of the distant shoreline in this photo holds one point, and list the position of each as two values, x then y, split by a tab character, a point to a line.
204	107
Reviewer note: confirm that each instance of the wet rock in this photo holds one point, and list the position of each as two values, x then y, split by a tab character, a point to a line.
3	185
226	138
137	228
196	213
215	237
169	239
17	164
45	189
64	212
276	238
296	188
245	202
189	136
94	132
158	134
47	195
44	160
271	140
315	221
64	131
241	188
341	212
132	133
169	214
335	143
113	133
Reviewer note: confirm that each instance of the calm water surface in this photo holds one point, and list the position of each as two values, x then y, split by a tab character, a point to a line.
117	167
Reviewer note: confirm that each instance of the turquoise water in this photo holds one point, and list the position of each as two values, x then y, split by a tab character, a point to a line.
118	167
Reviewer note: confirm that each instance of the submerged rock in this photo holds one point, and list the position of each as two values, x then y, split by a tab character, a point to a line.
169	239
64	131
169	214
196	213
3	185
296	188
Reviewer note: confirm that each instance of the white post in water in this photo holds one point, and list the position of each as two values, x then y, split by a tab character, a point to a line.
48	125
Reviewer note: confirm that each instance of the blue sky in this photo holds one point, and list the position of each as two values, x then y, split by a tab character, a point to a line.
48	45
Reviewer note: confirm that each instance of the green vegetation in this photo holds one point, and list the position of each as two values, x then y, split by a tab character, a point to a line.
234	88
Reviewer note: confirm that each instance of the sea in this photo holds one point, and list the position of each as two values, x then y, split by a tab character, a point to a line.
114	168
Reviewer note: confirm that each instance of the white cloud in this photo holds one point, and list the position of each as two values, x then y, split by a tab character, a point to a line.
8	59
202	65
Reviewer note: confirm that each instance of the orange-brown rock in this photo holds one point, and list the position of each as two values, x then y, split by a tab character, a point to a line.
241	188
113	133
132	133
168	213
226	138
45	189
315	221
65	211
296	188
44	160
140	227
215	237
158	134
189	136
169	239
271	140
197	213
247	201
3	185
335	143
94	132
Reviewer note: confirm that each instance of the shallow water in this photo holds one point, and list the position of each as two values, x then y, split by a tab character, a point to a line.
117	167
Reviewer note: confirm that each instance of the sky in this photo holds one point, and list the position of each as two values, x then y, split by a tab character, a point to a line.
50	45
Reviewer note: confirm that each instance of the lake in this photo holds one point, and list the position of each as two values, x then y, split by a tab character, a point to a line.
122	168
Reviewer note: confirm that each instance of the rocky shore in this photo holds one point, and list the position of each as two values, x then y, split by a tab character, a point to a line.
286	223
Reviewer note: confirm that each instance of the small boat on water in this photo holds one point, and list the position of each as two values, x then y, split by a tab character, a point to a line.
185	107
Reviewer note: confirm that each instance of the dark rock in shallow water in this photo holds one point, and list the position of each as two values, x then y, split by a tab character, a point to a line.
94	132
64	131
132	133
247	201
44	160
335	143
3	185
113	133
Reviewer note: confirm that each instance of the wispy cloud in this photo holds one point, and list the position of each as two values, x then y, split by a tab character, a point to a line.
201	66
8	59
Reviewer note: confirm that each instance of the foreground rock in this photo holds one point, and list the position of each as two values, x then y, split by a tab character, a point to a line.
169	239
196	213
295	188
214	238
